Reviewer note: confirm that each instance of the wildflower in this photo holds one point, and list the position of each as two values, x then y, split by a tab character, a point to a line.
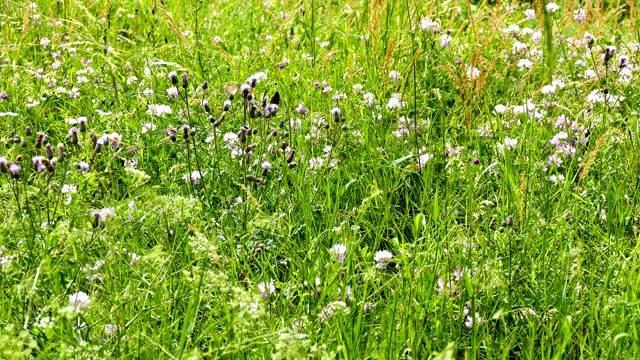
395	102
500	109
340	250
79	300
395	75
470	321
316	163
194	177
45	41
510	143
74	93
134	259
110	329
301	109
14	170
472	73
608	53
68	190
83	166
424	158
132	80
552	7
173	93
336	113
146	127
579	15
445	41
530	14
368	99
556	179
158	110
427	24
524	64
147	92
266	289
382	257
548	89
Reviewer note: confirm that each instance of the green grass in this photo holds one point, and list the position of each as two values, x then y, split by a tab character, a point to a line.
469	199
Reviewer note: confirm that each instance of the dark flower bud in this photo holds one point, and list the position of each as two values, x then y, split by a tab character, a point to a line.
205	106
172	233
290	156
284	145
242	136
227	105
285	134
501	229
205	85
274	132
344	127
52	165
94	138
281	123
3	164
16	139
185	132
254	131
49	151
38	143
192	132
45	139
173	77
24	143
292	165
83	125
74	137
510	220
503	223
254	179
60	152
27	131
185	82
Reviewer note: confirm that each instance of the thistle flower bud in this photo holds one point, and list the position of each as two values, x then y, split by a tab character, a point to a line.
292	165
344	127
94	138
205	85
173	77
509	220
255	179
274	132
336	114
245	90
45	139
608	53
205	106
227	105
185	82
52	165
3	164
98	148
83	124
38	143
60	152
17	139
27	131
49	151
284	145
185	132
285	134
24	143
290	157
242	135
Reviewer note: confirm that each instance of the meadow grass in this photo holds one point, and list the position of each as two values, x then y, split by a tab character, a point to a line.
319	179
